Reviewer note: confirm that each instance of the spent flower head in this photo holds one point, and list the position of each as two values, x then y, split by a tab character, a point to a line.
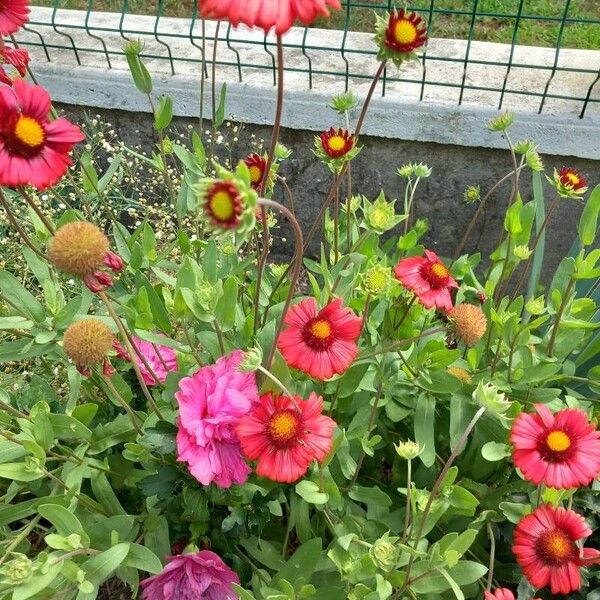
461	374
380	215
87	343
468	323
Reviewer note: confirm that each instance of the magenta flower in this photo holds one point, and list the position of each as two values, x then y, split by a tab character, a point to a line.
161	360
211	403
199	576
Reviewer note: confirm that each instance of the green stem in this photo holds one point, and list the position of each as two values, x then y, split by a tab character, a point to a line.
561	310
490	577
132	416
408	499
219	333
436	488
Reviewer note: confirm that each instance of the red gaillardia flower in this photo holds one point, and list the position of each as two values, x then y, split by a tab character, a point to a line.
13	15
80	248
572	178
545	548
223	204
267	14
560	450
16	58
257	165
337	142
322	342
399	34
33	149
428	277
285	435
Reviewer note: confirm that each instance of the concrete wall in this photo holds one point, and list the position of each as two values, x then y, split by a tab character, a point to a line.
440	198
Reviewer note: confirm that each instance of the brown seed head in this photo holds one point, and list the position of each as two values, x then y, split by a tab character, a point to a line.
87	342
469	323
78	248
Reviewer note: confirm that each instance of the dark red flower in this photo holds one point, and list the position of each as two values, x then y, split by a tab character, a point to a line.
223	204
405	31
337	142
257	166
572	178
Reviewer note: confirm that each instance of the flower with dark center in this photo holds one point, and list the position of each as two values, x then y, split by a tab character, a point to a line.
285	435
399	34
545	548
560	450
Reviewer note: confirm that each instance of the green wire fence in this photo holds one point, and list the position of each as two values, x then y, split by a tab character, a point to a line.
177	37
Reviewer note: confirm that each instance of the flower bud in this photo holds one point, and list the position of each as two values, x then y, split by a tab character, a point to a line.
343	103
501	122
377	280
380	215
384	553
522	252
472	194
491	398
536	306
18	570
113	261
252	360
408	450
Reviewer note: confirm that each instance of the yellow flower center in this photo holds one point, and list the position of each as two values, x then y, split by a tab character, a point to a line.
405	32
558	441
221	206
320	329
556	546
573	178
29	131
283	426
439	270
255	174
336	143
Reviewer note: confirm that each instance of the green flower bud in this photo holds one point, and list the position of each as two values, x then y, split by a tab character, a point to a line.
524	146
384	553
536	306
380	215
282	152
501	122
377	280
252	360
406	171
534	161
422	170
18	570
168	146
472	194
522	252
133	47
408	450
491	398
355	203
421	227
343	103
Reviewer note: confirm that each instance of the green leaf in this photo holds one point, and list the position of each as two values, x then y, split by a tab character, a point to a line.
164	113
156	535
89	175
111	434
18	296
220	111
19	471
9	451
64	521
424	427
227	304
140	74
464	573
495	451
67	427
370	496
588	223
114	165
303	562
242	593
309	491
540	215
143	559
104	493
98	568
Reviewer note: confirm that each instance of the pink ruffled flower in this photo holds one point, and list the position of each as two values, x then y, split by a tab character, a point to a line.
199	576
428	278
211	403
501	594
560	450
161	360
267	14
